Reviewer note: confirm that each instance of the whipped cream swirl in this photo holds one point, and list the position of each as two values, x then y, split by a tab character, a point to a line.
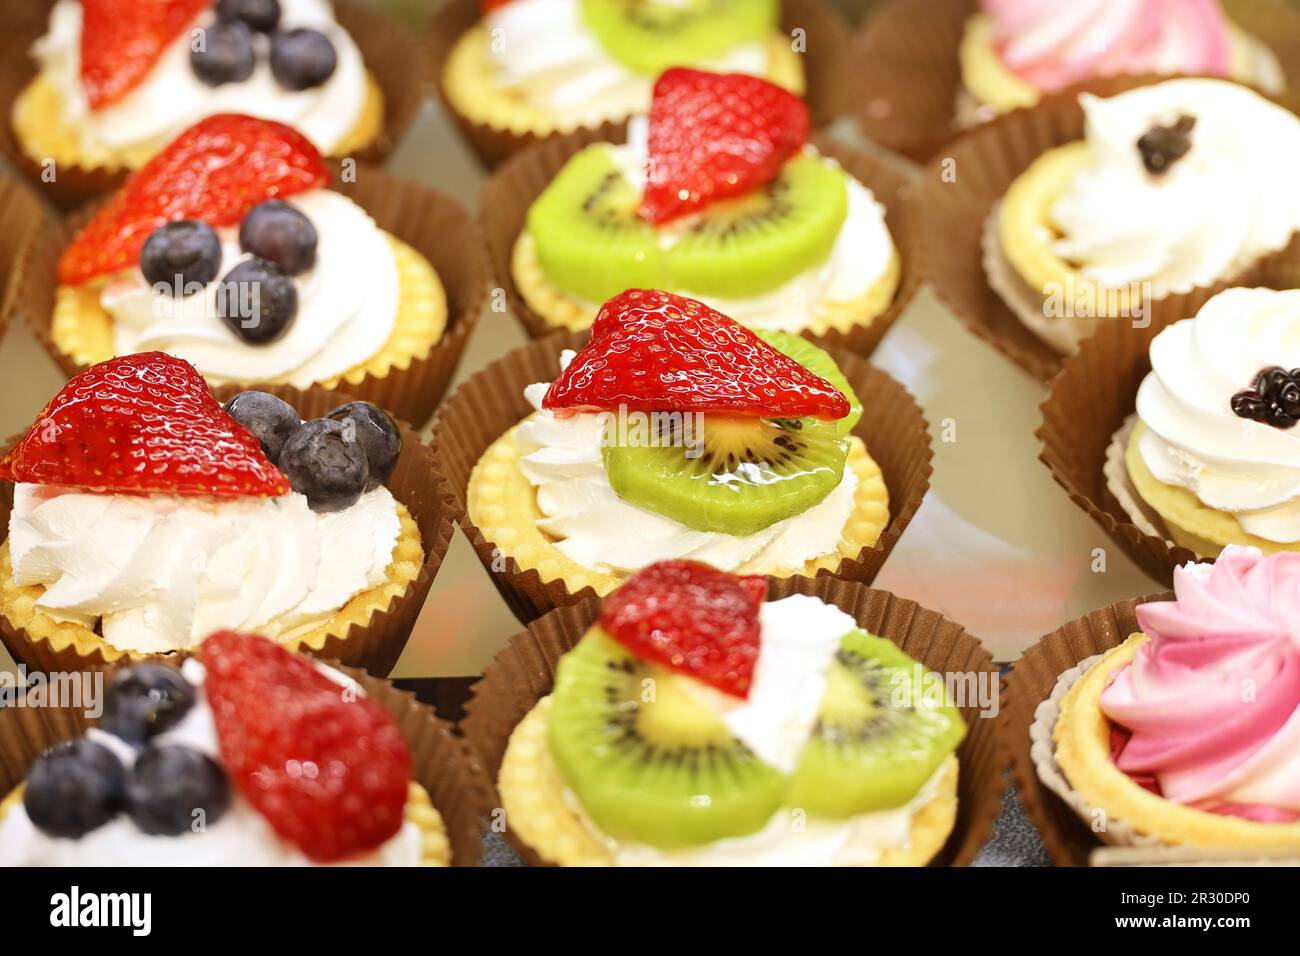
171	98
1193	438
347	306
1231	199
160	572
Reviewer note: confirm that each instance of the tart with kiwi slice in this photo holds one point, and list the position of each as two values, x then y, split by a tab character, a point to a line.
676	432
696	724
717	194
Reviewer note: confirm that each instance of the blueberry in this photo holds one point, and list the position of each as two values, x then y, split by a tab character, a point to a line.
226	54
301	59
325	463
73	788
184	256
260	15
257	300
377	435
278	232
169	785
144	701
271	419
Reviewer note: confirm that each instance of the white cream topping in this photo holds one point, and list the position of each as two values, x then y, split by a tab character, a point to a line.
1232	198
347	306
1195	441
171	98
241	837
561	458
545	53
160	572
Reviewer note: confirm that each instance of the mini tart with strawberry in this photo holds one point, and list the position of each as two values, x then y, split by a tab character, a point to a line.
195	767
119	79
679	433
147	515
717	195
696	725
229	249
547	66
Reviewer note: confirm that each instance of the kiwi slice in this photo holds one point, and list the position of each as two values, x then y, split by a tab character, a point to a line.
590	240
819	362
649	762
743	247
649	36
879	734
746	474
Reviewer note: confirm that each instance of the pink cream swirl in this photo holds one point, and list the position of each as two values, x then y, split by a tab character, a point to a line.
1050	44
1212	700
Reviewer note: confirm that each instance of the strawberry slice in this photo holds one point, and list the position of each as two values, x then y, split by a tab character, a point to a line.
216	171
142	424
121	40
716	135
692	618
655	351
327	767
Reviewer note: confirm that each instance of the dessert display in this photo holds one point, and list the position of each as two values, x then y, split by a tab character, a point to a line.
696	724
146	515
196	767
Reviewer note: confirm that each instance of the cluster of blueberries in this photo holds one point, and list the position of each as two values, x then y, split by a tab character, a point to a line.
331	460
81	784
300	59
1273	399
257	299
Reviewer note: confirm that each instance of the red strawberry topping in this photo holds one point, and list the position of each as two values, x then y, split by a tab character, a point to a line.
327	767
716	135
216	171
142	424
121	40
487	6
692	618
655	351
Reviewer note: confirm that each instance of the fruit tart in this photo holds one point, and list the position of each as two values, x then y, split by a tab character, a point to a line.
717	194
195	767
696	724
146	515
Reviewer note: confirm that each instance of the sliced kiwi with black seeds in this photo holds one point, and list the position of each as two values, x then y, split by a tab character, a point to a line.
819	362
647	760
732	474
883	728
649	36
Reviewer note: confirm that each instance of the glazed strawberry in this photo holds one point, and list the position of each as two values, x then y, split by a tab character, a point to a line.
692	618
327	767
215	171
142	424
716	135
121	40
655	351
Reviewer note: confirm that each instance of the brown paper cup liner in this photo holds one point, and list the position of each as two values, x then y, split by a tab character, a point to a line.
22	224
491	402
374	647
981	165
909	77
440	762
827	66
390	54
515	186
524	672
437	226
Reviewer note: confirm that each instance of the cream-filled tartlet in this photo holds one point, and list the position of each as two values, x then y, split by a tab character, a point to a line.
1013	51
119	79
1170	190
696	725
546	66
731	206
146	515
195	767
243	262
